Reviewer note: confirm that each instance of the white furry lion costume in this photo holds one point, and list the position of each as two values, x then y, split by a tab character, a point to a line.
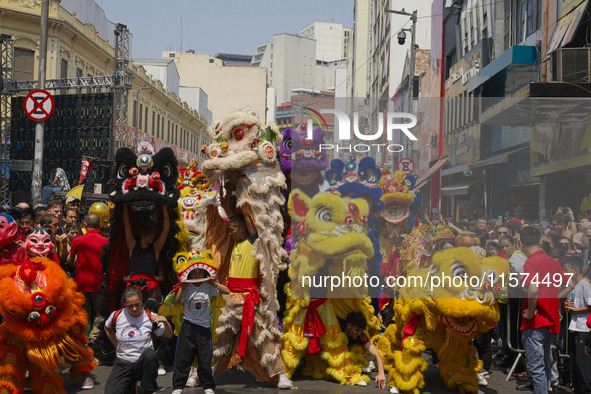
244	168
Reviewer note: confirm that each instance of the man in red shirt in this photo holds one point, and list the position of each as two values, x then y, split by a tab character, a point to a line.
543	277
85	256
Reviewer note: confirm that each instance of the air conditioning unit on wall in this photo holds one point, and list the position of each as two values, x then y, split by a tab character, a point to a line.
572	65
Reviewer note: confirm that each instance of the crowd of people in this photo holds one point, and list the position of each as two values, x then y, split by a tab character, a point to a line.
546	324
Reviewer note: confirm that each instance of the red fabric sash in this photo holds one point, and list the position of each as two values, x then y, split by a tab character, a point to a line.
410	328
150	282
246	285
313	326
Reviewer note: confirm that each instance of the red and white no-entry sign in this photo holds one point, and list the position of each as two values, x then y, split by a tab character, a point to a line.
39	105
406	165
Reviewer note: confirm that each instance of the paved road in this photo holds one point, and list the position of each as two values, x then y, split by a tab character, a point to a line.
235	381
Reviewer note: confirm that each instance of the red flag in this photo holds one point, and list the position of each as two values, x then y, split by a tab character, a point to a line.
86	166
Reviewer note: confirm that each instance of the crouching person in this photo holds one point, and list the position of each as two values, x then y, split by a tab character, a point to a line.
130	330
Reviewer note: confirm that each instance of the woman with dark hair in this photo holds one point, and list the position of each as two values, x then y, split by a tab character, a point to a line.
145	271
130	330
58	181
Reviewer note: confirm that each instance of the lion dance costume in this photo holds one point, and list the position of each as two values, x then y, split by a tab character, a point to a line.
43	329
244	168
444	317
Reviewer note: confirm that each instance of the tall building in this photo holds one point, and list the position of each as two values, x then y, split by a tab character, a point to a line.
314	59
290	63
331	40
357	67
228	88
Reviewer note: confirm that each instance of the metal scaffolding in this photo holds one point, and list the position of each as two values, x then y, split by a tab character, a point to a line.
6	65
122	82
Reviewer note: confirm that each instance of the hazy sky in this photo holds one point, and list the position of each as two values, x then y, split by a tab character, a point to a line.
211	26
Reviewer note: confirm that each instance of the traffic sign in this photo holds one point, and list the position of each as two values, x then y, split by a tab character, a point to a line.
406	165
39	105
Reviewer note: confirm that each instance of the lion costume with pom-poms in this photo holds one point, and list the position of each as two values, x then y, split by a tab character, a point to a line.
444	317
195	198
332	242
43	327
144	181
243	167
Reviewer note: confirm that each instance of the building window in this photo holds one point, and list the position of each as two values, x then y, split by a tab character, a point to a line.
153	122
24	64
140	116
533	16
146	118
134	123
158	127
168	132
64	69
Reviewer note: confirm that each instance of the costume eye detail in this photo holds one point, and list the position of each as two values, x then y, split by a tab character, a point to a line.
123	171
324	214
181	260
166	170
238	134
457	269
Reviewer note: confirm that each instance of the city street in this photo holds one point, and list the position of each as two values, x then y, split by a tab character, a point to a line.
235	381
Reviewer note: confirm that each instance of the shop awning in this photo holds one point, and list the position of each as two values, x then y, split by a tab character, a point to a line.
518	57
426	176
457	189
497	159
455	170
565	28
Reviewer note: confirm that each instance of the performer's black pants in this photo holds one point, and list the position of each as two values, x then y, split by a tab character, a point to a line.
194	340
124	375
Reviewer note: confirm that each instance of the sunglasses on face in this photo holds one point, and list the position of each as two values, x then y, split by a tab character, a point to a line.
503	233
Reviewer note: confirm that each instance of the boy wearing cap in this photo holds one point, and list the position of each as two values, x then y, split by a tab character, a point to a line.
195	333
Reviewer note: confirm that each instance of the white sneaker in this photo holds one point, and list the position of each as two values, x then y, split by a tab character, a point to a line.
177	391
209	391
482	380
394	390
362	383
161	371
284	382
88	383
370	368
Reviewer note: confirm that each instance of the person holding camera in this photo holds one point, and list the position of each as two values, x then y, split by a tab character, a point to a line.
564	221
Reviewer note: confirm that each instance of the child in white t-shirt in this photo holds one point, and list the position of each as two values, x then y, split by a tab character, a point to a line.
195	335
130	330
579	306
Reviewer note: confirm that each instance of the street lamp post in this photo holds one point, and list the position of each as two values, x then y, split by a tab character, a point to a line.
401	40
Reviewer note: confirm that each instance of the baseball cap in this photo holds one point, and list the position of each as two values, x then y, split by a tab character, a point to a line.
72	199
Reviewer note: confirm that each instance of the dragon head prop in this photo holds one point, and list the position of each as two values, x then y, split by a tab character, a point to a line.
185	262
397	196
303	156
240	140
332	235
145	182
145	175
